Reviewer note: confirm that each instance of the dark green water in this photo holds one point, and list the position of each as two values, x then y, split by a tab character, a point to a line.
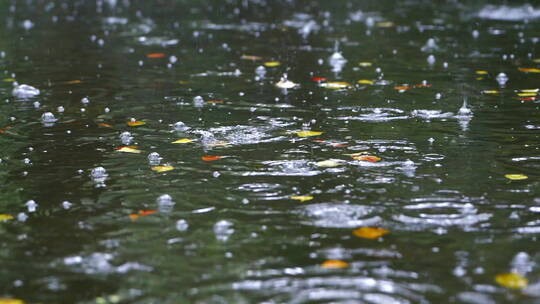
232	233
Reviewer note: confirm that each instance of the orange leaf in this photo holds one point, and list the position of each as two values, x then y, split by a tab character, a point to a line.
370	232
135	123
105	125
401	88
155	55
250	57
147	212
334	264
128	149
422	85
209	158
369	158
4	129
73	81
530	70
215	101
134	216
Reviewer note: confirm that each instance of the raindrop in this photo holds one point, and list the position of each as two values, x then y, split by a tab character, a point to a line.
48	118
154	159
502	79
260	71
182	225
431	59
85	100
24	91
223	230
126	138
464	110
198	101
165	203
22	217
60	109
31	206
180	126
66	205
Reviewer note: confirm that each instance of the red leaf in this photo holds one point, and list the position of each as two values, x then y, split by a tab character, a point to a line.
318	79
209	158
155	55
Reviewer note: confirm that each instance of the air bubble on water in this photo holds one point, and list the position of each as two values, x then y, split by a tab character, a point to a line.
522	264
85	100
223	229
31	205
66	205
126	138
165	203
198	101
502	79
60	109
22	217
36	104
24	91
141	63
48	118
99	176
27	24
173	59
27	161
180	126
431	59
260	71
445	65
431	45
107	110
154	159
182	225
475	34
83	110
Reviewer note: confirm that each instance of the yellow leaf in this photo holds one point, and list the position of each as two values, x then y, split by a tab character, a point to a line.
183	82
537	60
335	85
334	264
490	92
160	169
479	78
250	57
5	217
370	232
481	72
516	176
365	64
369	158
308	133
511	280
385	24
183	141
272	64
526	94
529	90
328	164
129	149
9	79
529	70
365	81
11	301
135	123
302	198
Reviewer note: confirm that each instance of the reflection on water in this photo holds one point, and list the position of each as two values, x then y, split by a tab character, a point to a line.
227	151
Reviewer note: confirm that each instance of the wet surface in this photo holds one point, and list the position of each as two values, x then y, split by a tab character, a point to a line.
222	151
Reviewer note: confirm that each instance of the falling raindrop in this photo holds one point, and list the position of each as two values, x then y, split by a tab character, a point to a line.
182	225
431	59
502	79
154	159
31	206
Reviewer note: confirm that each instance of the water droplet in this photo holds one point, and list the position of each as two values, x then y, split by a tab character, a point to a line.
66	205
24	91
31	206
182	225
180	126
22	217
502	79
223	229
85	100
48	118
154	159
431	59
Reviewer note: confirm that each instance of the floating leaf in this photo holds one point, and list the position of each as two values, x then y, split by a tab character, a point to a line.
141	213
402	88
537	60
422	85
156	55
272	64
128	149
302	198
250	57
370	232
215	101
4	129
318	79
183	141
511	280
334	264
530	90
76	81
530	70
5	217
516	176
183	82
308	133
335	85
365	64
209	158
366	81
328	163
531	98
11	301
527	94
160	169
490	92
104	125
9	80
135	123
385	24
369	158
481	72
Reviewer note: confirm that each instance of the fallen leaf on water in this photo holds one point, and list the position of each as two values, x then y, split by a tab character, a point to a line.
365	81
490	92
422	85
511	280
209	158
183	82
215	101
335	85
365	64
160	169
308	133
532	98
128	149
183	141
141	213
529	70
250	57
135	123
402	88
481	72
272	64
369	158
105	125
4	129
385	24
530	90
328	164
5	217
11	301
73	81
527	94
302	198
9	80
537	60
370	232
318	79
156	55
334	264
516	176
